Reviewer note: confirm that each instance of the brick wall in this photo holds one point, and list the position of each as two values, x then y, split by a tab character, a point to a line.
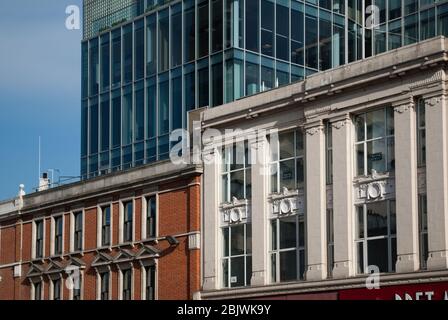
178	268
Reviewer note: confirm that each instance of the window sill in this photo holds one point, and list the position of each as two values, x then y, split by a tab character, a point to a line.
105	248
127	244
74	253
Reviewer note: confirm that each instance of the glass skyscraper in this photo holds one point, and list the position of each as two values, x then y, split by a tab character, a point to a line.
146	63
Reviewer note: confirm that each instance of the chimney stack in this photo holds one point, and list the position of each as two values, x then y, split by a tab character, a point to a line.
44	182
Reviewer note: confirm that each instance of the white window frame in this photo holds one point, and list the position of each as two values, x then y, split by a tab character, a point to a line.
52	280
421	156
81	287
121	229
72	230
423	232
99	282
144	215
33	289
295	158
364	241
144	277
226	170
299	218
34	238
100	215
329	153
121	271
365	141
227	259
53	235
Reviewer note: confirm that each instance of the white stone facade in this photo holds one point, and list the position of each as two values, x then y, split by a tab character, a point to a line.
395	82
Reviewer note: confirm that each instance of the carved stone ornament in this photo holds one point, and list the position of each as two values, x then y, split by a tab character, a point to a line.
375	190
402	108
339	124
235	212
287	202
313	130
433	101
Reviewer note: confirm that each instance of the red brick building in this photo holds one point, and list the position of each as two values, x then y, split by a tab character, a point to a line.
128	235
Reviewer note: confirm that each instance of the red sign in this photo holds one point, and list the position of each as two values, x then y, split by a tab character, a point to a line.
427	291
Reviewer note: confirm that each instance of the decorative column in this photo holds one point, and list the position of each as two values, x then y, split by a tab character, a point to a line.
259	211
406	186
316	202
211	216
343	197
437	180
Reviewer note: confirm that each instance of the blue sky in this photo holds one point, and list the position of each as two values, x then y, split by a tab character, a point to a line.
39	92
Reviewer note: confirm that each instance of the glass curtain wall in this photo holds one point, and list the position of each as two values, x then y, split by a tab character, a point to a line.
145	75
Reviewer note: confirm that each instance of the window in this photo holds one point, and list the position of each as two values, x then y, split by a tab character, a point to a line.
267	27
127	54
297	33
150	284
176	35
127	118
116	58
128	221
151	218
37	286
252	75
203	28
287	248
164	41
39	253
325	38
127	284
139	49
94	67
287	161
375	141
56	284
189	31
58	231
203	83
329	152
236	172
77	246
282	28
217	80
105	123
217	25
237	256
421	133
116	119
376	242
104	282
105	63
105	226
252	25
164	105
427	24
442	20
311	24
77	289
139	114
423	230
151	47
330	241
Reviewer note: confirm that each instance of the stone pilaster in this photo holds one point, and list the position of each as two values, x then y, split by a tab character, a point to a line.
343	197
437	180
316	202
211	219
406	187
259	211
